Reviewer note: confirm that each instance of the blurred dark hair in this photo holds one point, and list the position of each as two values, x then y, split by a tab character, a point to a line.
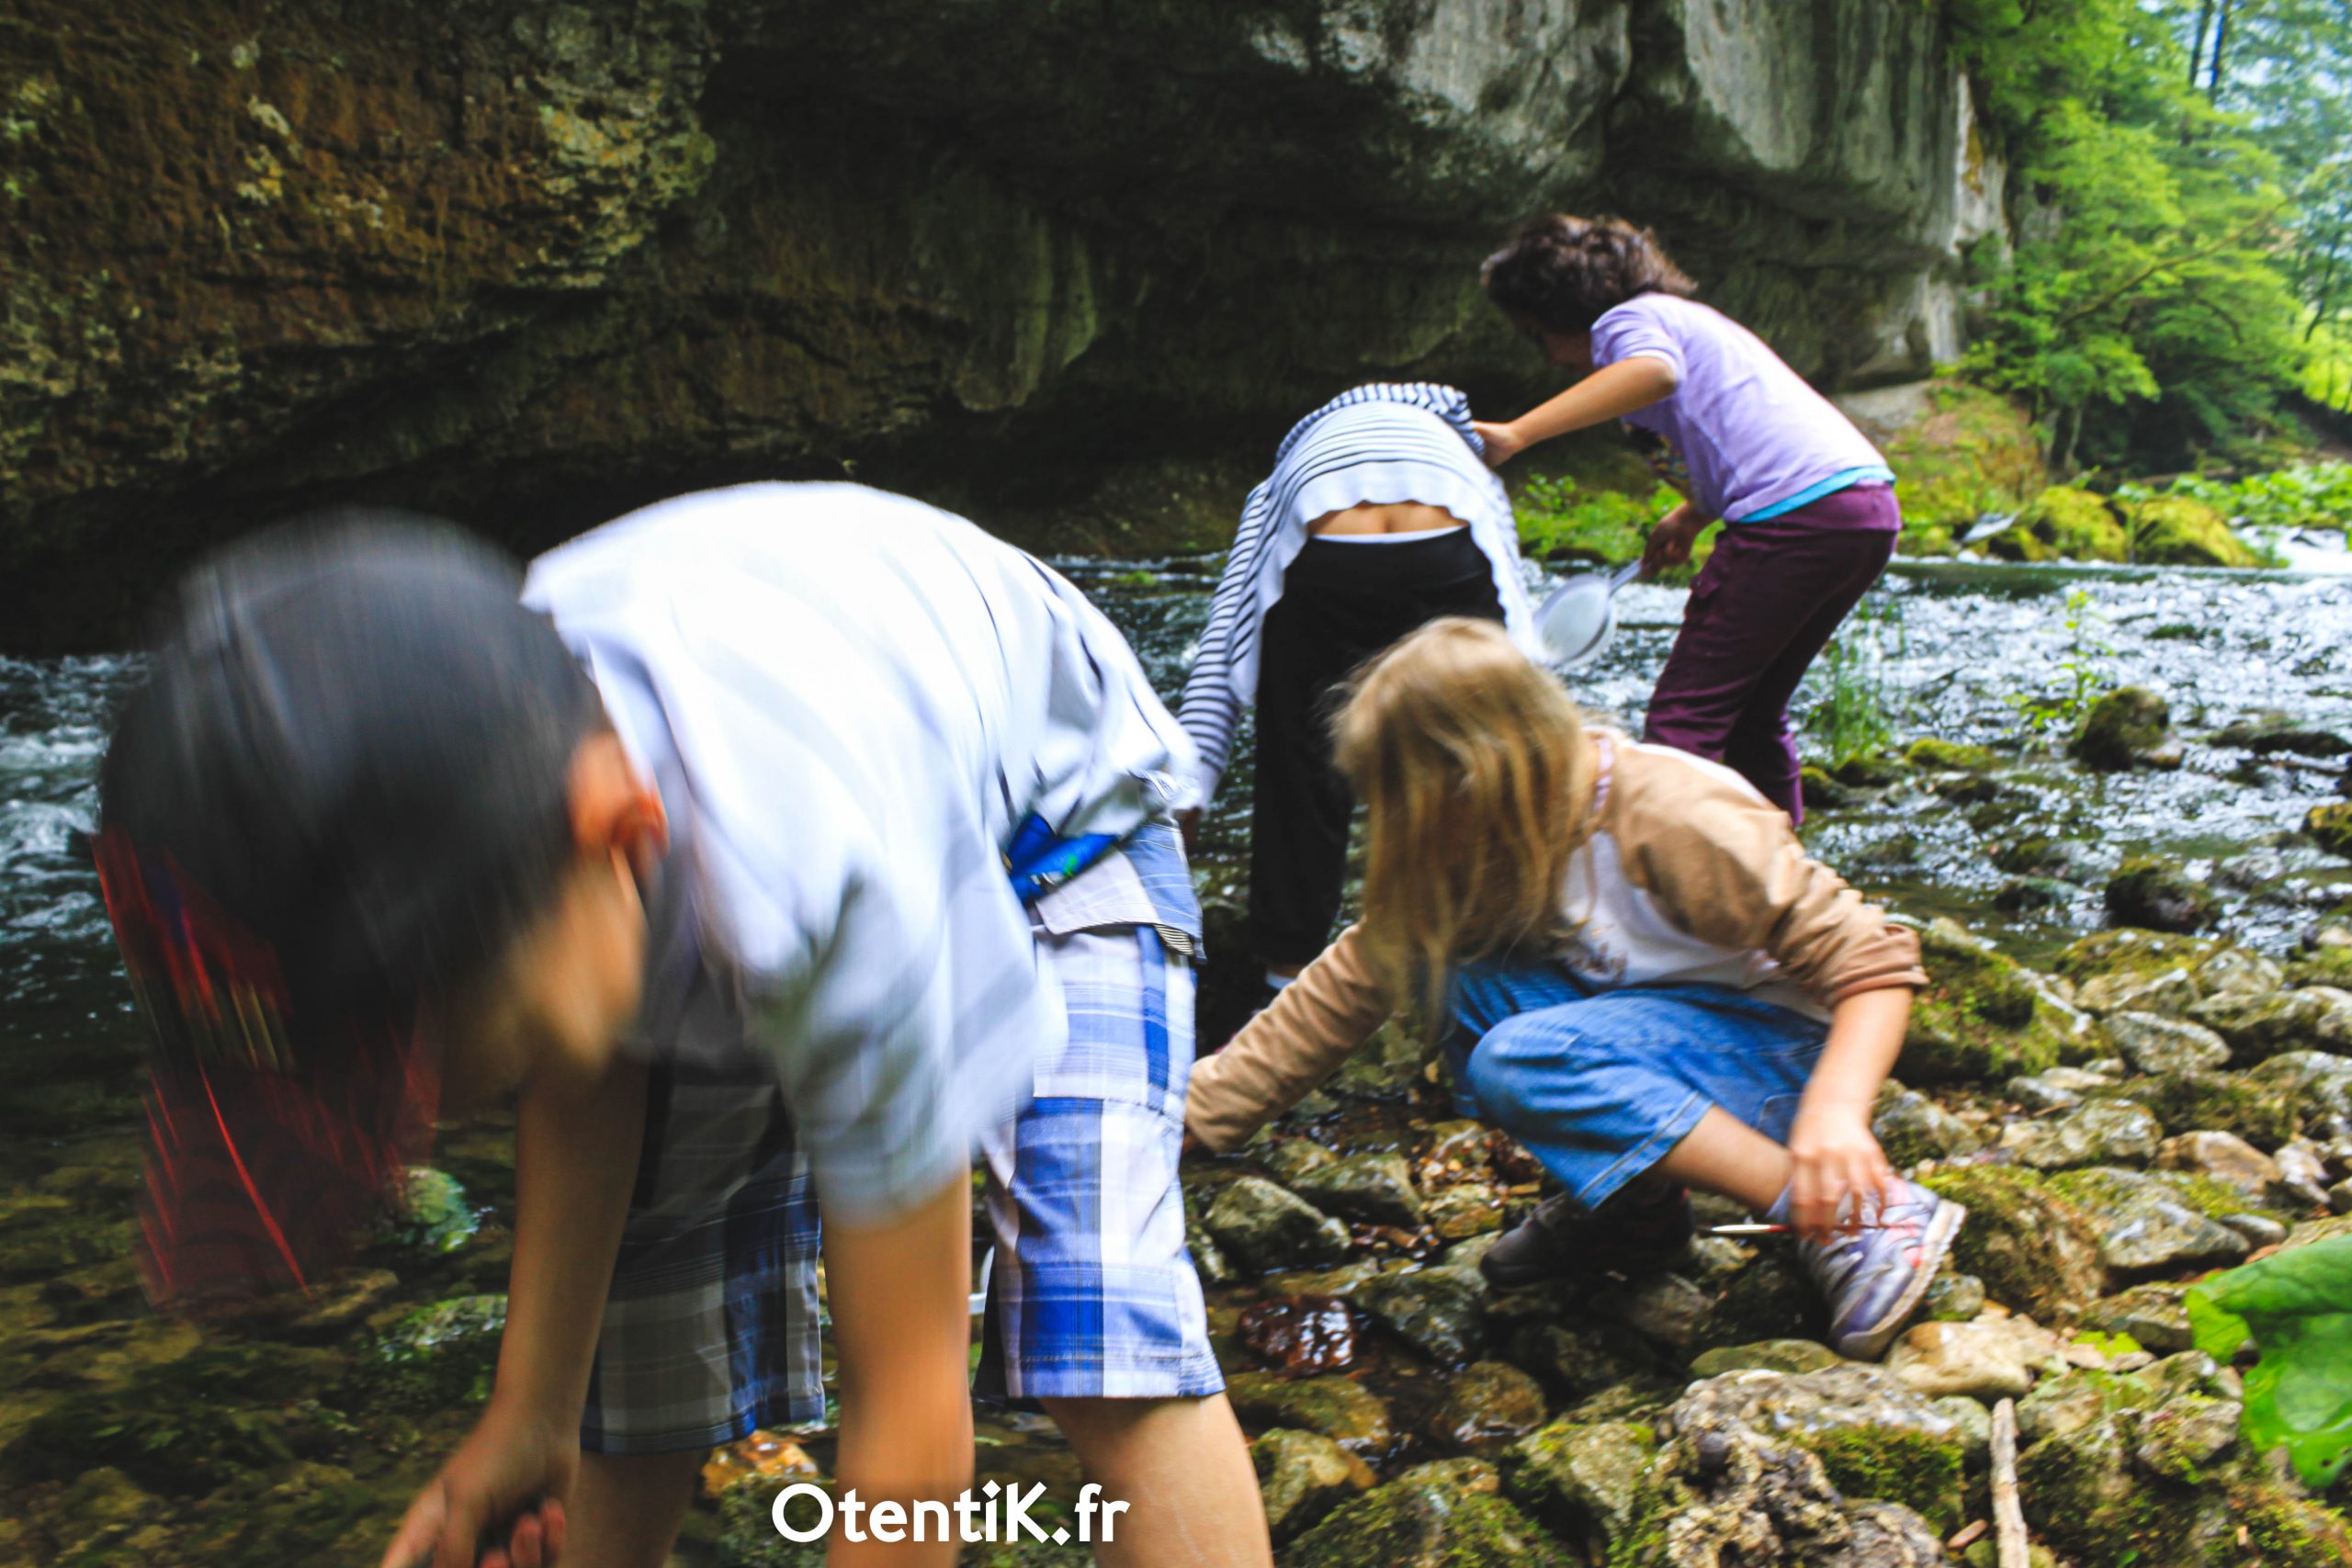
1566	273
356	742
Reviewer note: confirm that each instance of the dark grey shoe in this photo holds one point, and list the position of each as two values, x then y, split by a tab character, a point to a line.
1563	1239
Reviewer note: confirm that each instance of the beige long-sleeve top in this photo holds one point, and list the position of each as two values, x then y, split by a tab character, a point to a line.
1689	876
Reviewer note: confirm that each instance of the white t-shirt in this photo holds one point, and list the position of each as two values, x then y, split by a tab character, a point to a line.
849	701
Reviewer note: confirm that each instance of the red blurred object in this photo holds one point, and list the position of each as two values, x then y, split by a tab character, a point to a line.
270	1149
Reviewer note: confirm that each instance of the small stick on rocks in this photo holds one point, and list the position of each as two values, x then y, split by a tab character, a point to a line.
2008	1514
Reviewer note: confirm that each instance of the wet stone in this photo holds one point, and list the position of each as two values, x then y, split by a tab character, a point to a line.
1461	1211
1667	1308
2260	1230
2225	1157
1910	1128
2104	1132
2317	1018
2154	1043
2060	1089
2158	895
1301	1334
1767	1355
1487	1404
1993	1358
1579	1360
1287	1159
1584	1481
2144	1228
2035	1251
1262	1227
1448	1515
2167	993
1340	1408
2129	728
1952	1298
1436	1311
1302	1476
1376	1188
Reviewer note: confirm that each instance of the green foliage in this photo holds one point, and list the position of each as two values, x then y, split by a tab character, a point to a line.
1558	519
2059	707
2309	495
2296	1306
1856	717
2150	307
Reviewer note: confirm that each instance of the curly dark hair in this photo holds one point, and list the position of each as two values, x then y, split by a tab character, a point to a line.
1565	273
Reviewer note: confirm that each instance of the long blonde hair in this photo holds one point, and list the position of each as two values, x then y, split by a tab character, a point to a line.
1476	782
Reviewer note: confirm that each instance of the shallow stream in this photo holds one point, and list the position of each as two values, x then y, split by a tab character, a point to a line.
304	1469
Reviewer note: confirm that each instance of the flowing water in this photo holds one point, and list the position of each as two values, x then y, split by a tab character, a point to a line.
1945	650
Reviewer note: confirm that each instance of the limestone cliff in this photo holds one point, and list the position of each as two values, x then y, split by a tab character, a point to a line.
1073	263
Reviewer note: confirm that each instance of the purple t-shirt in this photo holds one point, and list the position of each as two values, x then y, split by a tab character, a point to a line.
1758	441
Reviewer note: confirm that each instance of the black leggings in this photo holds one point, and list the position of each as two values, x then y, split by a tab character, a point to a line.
1341	603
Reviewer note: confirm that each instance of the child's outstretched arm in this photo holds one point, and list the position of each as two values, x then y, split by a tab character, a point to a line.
1610	392
1835	1155
576	1162
1300	1039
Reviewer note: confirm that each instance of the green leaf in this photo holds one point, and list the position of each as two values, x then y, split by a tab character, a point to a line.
2297	1308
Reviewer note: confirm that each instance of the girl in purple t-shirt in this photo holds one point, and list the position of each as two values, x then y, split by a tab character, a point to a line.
1807	502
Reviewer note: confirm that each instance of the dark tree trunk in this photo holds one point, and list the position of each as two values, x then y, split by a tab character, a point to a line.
2197	45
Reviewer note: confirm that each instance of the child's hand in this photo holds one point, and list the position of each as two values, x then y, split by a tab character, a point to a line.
1671	539
1841	1177
508	1478
1503	442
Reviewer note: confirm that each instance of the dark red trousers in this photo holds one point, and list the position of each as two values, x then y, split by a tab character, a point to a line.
1763	608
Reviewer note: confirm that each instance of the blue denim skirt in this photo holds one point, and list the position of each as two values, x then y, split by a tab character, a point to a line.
1600	1085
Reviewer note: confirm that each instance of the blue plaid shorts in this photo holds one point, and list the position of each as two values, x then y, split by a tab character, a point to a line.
711	1326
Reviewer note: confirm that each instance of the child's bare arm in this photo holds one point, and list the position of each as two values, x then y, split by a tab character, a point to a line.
1836	1156
576	1162
899	1295
1297	1042
1610	392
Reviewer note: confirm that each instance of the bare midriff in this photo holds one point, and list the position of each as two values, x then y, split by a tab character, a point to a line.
1399	517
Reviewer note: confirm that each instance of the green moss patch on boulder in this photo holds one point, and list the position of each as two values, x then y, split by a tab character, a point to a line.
1448	1515
1981	1015
2063	523
2330	826
1949	756
1958	453
2155	895
2036	1252
2129	728
2173	530
1583	1481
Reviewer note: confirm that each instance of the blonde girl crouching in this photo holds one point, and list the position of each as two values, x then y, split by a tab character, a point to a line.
1638	971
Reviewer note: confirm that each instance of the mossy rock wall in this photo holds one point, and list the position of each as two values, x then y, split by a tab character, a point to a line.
1075	269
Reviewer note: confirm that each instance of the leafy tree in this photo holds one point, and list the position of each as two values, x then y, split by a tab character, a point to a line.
2182	207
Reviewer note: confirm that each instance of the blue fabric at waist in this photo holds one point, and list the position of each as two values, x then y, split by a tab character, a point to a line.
1814	492
1041	861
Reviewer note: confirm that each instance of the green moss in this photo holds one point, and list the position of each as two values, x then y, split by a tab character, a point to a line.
2290	1532
1438	1516
2173	530
2034	1251
1951	756
2222	1102
1974	452
2330	826
1888	1465
2321	966
2129	728
435	1358
1979	1017
2062	523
